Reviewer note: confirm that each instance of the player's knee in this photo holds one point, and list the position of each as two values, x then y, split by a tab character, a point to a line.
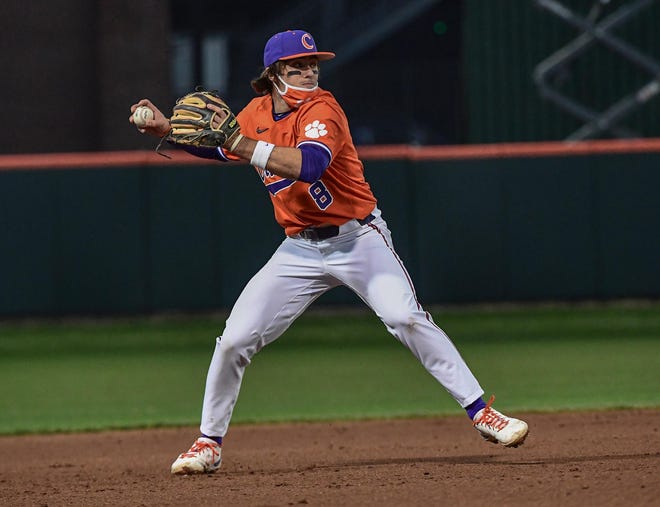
239	347
401	320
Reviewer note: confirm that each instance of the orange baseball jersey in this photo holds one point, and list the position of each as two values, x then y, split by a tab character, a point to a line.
341	193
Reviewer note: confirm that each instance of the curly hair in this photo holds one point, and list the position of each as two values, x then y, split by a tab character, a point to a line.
263	85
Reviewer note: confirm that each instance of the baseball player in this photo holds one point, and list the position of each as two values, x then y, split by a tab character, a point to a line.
297	137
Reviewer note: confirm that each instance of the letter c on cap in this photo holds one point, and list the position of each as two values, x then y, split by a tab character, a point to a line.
306	41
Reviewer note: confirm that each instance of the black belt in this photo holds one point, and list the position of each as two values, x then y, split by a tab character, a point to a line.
329	231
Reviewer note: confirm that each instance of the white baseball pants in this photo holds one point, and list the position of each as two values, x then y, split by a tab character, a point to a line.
363	259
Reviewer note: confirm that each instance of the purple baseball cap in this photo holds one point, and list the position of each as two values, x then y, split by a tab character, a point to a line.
292	44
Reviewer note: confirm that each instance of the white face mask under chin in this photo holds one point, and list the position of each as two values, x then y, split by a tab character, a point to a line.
294	96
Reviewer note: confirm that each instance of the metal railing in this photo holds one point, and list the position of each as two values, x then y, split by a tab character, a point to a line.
595	32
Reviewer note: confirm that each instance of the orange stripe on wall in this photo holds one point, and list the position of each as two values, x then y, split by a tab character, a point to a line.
138	158
93	160
509	150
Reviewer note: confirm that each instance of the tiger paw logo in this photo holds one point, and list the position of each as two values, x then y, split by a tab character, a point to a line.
315	130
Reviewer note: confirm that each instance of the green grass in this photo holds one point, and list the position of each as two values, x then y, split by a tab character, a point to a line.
150	372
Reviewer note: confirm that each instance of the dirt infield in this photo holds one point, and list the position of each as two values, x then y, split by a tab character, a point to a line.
599	458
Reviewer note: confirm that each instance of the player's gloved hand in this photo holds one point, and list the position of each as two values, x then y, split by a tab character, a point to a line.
194	123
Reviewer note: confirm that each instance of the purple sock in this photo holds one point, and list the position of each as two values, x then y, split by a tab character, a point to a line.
217	440
474	407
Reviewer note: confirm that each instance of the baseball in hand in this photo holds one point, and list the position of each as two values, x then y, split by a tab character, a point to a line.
141	115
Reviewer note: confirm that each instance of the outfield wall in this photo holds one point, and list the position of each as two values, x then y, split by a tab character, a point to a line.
133	232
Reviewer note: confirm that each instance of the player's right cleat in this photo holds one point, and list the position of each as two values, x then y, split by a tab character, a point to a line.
498	428
202	458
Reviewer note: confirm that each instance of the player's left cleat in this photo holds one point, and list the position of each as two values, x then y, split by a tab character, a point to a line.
498	428
202	458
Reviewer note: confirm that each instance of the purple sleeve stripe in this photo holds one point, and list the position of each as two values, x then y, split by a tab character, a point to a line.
315	160
317	144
